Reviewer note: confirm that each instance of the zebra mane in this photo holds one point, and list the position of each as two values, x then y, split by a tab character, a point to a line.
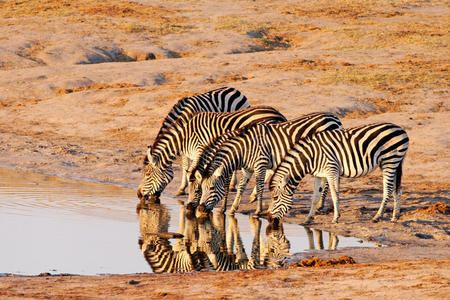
180	109
170	120
212	164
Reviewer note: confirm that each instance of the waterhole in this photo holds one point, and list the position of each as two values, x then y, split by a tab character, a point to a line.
55	225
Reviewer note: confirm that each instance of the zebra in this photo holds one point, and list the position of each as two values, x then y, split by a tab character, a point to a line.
190	138
350	153
224	99
255	149
160	255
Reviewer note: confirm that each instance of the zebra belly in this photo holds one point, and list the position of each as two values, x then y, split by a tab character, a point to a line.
354	173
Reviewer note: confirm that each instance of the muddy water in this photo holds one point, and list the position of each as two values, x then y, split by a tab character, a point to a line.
57	225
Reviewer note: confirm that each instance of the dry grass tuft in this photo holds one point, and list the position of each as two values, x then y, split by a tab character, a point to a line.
317	262
97	86
437	208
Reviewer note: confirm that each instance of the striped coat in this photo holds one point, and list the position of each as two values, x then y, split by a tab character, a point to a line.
350	153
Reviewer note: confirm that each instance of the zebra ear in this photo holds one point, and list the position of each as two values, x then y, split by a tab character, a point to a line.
198	175
150	156
218	172
285	180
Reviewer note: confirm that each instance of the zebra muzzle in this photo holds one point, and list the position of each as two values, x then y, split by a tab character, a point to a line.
274	223
202	212
190	210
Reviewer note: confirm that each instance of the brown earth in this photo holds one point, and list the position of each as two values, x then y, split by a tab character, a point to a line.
84	88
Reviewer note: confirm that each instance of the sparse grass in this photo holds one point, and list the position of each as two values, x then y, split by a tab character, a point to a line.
97	86
127	16
352	9
380	105
264	34
391	35
316	64
240	24
51	8
401	76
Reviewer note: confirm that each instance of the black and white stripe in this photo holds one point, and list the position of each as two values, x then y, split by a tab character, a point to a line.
349	153
225	99
255	149
191	137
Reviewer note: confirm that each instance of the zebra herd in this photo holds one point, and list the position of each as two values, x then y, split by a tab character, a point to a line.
217	133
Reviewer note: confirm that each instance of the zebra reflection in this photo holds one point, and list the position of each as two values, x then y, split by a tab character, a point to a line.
155	245
205	244
332	239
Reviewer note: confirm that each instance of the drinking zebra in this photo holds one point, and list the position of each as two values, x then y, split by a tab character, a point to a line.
350	153
255	149
223	99
189	138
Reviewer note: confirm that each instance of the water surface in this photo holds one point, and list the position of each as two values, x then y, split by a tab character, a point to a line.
58	225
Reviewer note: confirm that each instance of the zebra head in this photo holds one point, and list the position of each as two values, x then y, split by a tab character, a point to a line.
155	178
281	197
195	190
212	189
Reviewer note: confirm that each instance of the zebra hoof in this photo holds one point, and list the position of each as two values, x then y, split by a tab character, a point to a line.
394	220
335	221
375	219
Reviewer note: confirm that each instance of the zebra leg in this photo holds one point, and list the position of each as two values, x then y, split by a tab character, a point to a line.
323	196
388	186
315	200
333	241
269	174
184	178
255	255
233	182
397	192
237	200
397	199
225	196
333	182
260	178
319	237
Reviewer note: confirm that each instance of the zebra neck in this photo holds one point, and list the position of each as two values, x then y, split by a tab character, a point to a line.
169	145
305	159
246	150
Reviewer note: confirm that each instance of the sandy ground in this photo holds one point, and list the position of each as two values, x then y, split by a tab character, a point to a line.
84	87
